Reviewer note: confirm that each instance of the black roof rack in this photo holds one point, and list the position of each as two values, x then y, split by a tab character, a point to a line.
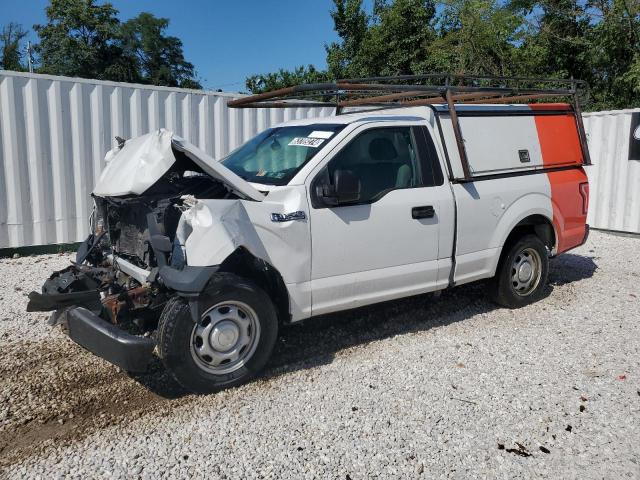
412	90
425	90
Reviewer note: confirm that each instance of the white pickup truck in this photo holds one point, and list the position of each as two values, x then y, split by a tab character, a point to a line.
204	260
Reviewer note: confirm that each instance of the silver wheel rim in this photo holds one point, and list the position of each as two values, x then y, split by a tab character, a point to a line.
225	338
526	271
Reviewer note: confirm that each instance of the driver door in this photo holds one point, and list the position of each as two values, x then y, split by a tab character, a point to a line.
385	244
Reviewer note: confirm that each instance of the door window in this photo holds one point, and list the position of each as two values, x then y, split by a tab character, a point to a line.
383	159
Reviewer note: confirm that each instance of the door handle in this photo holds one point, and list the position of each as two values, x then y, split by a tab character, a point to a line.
426	211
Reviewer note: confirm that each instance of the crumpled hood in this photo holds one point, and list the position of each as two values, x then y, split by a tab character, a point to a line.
142	161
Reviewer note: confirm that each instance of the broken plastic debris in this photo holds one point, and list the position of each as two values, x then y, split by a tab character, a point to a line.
520	450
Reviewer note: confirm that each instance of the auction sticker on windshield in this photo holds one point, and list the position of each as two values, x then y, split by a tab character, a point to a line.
320	134
306	142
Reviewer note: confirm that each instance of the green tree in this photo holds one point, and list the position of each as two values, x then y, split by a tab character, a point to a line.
594	40
80	39
11	46
392	41
398	38
85	39
284	78
614	54
555	42
158	58
475	37
351	24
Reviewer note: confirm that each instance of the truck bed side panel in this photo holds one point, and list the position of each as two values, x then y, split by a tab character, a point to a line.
494	144
569	218
487	212
523	164
560	145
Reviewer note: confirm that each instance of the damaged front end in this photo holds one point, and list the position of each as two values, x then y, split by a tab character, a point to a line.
110	298
102	308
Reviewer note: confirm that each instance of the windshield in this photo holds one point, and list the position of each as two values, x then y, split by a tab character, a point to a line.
275	156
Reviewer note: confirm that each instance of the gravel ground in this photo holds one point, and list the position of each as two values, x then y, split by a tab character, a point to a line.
428	387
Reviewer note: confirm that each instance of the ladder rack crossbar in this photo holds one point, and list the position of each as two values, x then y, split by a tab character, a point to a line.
451	90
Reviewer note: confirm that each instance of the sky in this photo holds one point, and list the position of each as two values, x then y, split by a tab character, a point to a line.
225	40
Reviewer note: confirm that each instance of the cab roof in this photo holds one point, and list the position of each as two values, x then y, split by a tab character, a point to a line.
404	114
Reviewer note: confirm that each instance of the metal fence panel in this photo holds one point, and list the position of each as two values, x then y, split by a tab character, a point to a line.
614	197
55	131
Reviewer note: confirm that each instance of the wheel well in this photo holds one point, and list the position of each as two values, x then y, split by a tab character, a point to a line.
534	224
244	264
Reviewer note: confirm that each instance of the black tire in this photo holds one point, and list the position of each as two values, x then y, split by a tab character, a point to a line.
176	326
502	288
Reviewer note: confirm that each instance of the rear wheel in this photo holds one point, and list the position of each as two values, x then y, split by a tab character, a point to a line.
231	341
521	274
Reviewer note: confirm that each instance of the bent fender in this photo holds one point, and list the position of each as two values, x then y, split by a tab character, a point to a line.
219	227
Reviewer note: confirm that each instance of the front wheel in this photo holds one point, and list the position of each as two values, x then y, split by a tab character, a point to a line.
231	341
521	274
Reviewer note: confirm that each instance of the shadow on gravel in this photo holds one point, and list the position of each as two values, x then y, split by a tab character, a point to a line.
80	395
159	381
316	341
569	267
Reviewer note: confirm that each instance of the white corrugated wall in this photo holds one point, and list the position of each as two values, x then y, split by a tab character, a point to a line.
614	180
55	131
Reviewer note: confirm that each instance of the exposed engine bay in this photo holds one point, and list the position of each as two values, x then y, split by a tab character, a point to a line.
170	225
115	274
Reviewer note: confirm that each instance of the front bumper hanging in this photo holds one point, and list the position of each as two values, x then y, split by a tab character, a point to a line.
129	352
73	295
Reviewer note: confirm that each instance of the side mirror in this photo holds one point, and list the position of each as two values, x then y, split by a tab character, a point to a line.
345	189
347	186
